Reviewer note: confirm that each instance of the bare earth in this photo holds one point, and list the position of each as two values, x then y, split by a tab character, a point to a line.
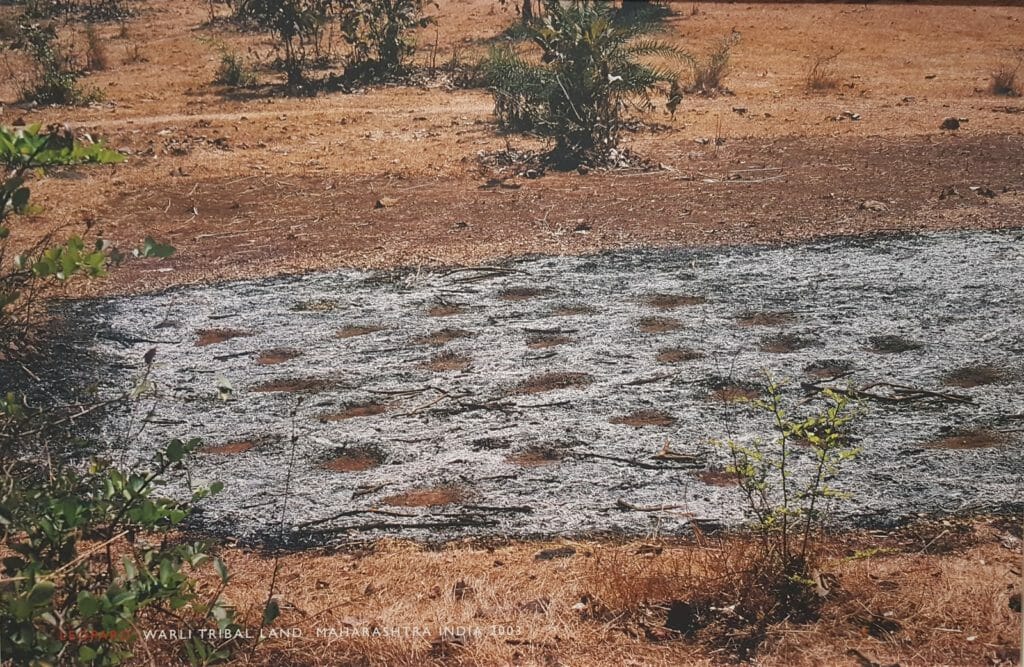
259	184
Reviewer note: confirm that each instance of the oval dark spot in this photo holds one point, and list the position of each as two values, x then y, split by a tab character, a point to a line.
892	344
434	497
718	478
552	382
734	393
544	341
974	376
522	293
443	336
677	355
536	456
448	361
784	343
824	369
276	356
977	439
214	336
358	330
641	418
353	411
353	460
658	324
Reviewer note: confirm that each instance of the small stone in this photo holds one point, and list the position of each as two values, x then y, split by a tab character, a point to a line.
385	202
950	123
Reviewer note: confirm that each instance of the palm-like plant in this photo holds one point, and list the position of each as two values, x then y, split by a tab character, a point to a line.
591	68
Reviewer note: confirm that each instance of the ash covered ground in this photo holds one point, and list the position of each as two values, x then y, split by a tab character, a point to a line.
532	398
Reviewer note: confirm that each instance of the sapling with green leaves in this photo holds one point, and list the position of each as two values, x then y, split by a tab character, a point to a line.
787	479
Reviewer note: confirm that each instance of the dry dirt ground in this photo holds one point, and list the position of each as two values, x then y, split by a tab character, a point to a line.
253	183
256	184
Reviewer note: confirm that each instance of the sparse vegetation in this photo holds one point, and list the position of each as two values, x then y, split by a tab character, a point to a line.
297	27
590	70
787	482
87	550
1003	80
526	374
95	52
90	10
710	72
54	76
823	75
378	33
234	71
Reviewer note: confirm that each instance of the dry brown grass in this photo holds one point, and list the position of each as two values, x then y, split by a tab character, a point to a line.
607	602
96	57
1003	80
823	74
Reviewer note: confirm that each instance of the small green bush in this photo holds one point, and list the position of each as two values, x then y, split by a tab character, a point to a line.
590	70
233	71
90	549
786	480
378	31
297	26
54	76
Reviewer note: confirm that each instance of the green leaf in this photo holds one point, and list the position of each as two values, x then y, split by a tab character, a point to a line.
222	570
175	451
88	604
151	248
271	611
41	593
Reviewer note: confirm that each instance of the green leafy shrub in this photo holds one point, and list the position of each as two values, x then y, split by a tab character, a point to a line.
92	10
93	552
233	71
786	481
297	26
378	31
589	71
54	76
89	550
24	153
